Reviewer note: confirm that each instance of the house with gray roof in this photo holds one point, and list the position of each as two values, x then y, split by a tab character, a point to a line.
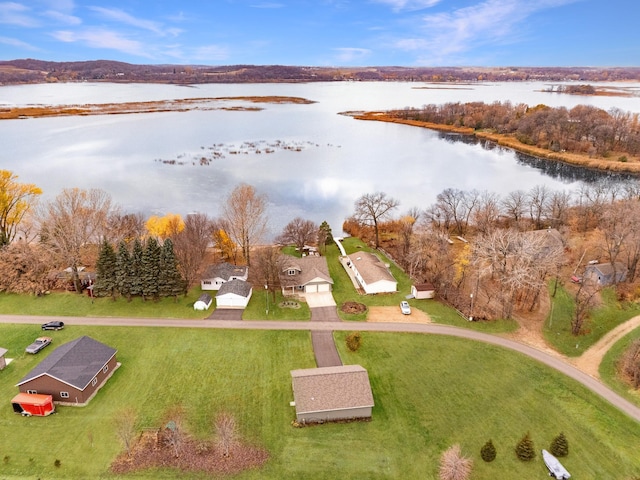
234	294
216	275
604	274
308	274
371	273
331	394
73	372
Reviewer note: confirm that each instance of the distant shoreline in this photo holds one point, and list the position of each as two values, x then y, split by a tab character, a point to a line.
602	164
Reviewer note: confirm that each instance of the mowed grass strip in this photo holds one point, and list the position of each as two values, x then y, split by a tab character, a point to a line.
609	368
430	392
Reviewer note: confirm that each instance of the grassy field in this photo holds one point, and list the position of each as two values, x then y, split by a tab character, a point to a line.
429	391
608	368
608	315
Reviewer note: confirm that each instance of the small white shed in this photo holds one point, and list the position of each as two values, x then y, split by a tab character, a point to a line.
203	302
423	290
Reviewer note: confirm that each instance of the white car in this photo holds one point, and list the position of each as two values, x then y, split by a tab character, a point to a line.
405	308
38	345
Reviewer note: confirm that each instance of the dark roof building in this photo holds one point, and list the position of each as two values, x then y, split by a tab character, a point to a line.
73	372
332	393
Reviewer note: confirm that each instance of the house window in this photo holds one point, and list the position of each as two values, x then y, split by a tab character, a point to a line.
32	392
106	368
207	282
291	272
93	382
64	394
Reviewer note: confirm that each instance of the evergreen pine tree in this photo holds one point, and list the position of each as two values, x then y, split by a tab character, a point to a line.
325	237
135	270
171	283
525	449
488	452
560	446
106	271
151	258
123	271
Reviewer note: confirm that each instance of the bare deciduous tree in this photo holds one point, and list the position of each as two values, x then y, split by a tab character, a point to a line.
125	423
453	465
584	302
269	263
190	245
74	219
299	232
630	363
371	208
244	212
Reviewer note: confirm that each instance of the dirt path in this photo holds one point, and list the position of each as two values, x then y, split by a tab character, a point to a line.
589	361
393	314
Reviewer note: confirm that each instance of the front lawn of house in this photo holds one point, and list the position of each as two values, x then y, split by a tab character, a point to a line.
429	392
608	315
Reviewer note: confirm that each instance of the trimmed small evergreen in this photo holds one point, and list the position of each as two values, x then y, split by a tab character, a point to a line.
525	450
560	446
488	452
354	341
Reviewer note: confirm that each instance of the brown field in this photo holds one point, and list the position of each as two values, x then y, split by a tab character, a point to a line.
182	105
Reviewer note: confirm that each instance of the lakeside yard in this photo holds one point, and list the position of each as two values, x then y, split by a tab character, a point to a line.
425	390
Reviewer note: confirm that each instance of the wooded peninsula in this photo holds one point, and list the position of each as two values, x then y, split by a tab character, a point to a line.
584	135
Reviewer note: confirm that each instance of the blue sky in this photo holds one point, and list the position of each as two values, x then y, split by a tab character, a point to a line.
325	32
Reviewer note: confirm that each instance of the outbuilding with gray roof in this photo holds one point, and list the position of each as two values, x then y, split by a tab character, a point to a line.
332	393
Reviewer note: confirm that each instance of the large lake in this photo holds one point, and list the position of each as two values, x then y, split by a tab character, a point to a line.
309	160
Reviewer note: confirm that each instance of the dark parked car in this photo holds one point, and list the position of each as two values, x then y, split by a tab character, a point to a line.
38	345
56	325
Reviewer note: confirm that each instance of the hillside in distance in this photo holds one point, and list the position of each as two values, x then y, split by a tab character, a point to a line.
39	71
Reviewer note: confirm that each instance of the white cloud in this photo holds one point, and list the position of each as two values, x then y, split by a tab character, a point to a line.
351	55
103	38
121	16
14	42
410	5
63	17
12	13
490	22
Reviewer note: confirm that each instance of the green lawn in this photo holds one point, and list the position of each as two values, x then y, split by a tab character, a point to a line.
608	368
607	316
429	391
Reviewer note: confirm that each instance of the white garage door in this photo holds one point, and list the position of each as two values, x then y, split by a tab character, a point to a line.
311	289
324	287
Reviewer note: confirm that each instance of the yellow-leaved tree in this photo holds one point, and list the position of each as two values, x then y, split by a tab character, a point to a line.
166	226
16	199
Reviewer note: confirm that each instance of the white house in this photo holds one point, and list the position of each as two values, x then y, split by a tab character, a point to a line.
234	294
217	274
371	273
305	275
203	303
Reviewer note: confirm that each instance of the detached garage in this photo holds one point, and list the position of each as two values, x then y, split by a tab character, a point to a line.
234	294
331	394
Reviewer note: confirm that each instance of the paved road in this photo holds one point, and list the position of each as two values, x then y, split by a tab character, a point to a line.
591	383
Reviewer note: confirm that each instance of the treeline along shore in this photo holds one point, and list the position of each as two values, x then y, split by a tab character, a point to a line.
584	136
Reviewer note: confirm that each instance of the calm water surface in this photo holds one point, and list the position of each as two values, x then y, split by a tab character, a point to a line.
309	160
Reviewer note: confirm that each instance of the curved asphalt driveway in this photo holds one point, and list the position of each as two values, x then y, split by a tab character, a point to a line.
434	329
